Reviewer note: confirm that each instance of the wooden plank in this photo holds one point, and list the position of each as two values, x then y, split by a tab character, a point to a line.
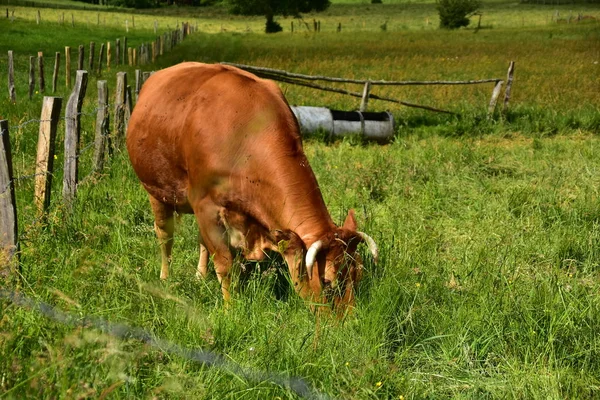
55	74
72	135
509	82
41	72
68	66
12	93
46	148
31	76
494	99
9	232
102	126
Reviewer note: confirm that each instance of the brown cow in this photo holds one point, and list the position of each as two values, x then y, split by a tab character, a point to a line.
220	143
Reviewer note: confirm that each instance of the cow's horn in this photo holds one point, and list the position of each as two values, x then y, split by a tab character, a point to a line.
311	256
372	245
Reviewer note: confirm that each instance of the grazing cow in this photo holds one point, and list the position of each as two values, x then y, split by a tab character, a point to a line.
223	144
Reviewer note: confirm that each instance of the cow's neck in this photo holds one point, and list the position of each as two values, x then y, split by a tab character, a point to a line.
291	199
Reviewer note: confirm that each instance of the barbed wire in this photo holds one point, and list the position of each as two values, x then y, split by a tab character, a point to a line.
204	357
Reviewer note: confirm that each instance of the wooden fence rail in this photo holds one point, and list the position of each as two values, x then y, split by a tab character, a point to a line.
306	81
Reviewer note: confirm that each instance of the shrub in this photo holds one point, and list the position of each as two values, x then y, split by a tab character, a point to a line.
456	13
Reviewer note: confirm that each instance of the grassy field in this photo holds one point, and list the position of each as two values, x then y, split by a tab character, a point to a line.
489	231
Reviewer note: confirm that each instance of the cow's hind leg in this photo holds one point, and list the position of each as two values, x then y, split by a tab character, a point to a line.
164	225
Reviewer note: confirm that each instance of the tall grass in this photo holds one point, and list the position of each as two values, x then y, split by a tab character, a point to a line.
488	231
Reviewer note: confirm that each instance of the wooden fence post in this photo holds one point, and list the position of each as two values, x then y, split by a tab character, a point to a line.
100	59
102	126
509	81
55	74
91	59
494	99
125	55
138	84
81	57
118	52
72	135
365	97
31	76
44	165
12	93
41	72
8	209
68	66
120	97
108	55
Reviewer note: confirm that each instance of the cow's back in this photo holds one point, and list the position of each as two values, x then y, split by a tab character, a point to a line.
196	123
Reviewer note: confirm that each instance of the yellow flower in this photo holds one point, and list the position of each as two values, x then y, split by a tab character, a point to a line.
418	284
55	157
347	364
400	397
378	384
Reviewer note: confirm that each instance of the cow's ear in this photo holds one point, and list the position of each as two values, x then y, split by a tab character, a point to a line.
350	222
286	240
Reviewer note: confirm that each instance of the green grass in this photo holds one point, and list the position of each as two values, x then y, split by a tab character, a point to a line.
488	231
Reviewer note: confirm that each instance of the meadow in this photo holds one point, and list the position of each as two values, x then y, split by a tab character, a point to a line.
489	230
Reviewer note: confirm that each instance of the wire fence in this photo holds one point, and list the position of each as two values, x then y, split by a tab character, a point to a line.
79	154
200	356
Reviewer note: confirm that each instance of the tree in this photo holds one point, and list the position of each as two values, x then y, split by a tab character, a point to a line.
270	8
456	13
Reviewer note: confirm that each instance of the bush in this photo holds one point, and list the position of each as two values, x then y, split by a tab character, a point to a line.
456	13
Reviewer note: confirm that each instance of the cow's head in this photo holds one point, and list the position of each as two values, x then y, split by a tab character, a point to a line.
334	265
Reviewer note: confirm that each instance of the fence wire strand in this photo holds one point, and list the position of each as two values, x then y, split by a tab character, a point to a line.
199	356
80	152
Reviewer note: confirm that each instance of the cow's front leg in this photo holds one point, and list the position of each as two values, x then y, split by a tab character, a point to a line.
202	271
164	225
214	238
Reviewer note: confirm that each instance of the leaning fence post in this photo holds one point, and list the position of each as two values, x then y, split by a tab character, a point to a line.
72	134
31	76
44	165
494	99
8	209
509	81
12	94
365	97
102	126
55	74
120	97
41	71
